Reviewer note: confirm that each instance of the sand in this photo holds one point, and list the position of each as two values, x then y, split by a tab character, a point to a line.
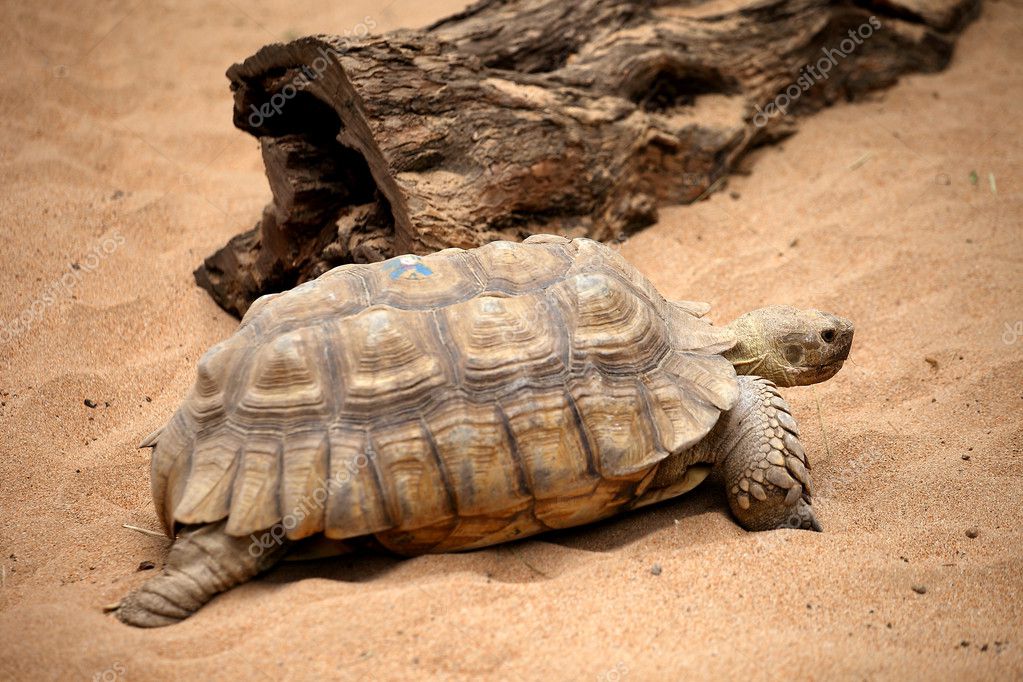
118	154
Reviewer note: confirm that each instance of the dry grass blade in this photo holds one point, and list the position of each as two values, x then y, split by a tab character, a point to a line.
824	432
144	530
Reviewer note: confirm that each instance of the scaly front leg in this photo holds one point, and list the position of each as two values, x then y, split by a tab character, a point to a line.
765	469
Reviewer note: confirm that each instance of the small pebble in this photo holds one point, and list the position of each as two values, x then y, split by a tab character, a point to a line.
966	458
920	589
655	569
931	361
146	566
964	643
972	532
89	402
734	194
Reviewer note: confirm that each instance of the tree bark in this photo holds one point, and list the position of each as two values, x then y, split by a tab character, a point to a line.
521	116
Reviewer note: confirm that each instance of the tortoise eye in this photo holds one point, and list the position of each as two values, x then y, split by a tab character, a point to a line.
828	335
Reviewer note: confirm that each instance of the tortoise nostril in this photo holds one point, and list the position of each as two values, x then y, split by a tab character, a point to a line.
828	335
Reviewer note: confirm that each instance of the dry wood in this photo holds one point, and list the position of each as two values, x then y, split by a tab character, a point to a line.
521	116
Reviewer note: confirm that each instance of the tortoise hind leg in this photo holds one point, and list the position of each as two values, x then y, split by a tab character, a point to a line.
763	463
203	561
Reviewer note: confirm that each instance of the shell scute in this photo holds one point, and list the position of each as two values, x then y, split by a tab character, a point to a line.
480	461
623	436
499	339
550	445
388	359
207	495
355	499
255	502
305	484
513	268
285	381
614	329
422	282
336	294
416	489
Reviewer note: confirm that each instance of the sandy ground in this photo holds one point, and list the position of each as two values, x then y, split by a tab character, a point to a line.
118	155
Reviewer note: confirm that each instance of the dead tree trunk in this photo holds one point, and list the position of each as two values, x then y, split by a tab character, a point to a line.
520	116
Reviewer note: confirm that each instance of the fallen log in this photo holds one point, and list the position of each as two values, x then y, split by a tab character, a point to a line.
521	116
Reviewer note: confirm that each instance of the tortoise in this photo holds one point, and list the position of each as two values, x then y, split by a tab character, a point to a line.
467	398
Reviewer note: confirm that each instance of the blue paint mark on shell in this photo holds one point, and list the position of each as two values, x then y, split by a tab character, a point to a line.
407	267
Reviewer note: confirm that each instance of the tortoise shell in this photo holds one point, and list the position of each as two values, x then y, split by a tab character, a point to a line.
444	402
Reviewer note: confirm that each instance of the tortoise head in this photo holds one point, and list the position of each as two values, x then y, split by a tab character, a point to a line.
789	346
